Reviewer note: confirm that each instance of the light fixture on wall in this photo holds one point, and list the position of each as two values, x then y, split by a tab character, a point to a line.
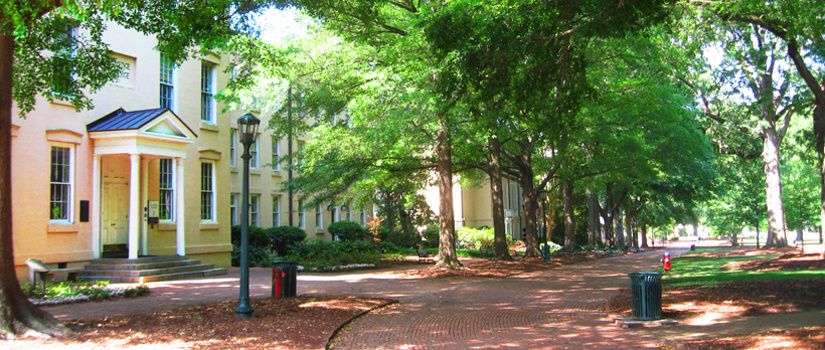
248	128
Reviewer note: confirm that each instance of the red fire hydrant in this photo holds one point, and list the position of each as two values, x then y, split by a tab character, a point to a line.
666	262
278	283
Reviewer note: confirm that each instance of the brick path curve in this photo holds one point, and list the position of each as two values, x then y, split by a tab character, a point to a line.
552	309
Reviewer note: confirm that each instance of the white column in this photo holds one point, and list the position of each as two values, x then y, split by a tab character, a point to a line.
134	206
96	206
179	208
144	197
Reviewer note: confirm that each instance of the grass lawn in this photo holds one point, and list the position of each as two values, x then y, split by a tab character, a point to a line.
696	269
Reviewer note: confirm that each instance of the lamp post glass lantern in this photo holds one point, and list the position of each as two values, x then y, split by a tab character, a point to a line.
248	128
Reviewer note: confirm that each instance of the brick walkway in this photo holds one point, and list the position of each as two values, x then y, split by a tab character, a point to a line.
553	309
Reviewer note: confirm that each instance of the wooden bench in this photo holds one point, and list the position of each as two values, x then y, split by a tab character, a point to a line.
424	256
38	269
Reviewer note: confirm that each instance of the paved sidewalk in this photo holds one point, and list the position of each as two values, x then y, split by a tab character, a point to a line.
552	309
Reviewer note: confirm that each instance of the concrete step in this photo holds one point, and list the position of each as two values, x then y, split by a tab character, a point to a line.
147	269
143	265
140	260
161	277
146	272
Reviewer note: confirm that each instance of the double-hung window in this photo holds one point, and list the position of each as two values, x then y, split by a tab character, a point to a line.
61	185
166	186
167	83
319	217
255	210
276	211
253	152
302	215
276	154
207	192
207	93
233	209
233	147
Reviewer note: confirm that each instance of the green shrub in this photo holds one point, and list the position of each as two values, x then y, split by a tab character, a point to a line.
348	231
431	235
401	239
260	245
282	237
476	238
324	255
71	290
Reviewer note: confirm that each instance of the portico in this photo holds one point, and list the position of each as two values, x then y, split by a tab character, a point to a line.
127	147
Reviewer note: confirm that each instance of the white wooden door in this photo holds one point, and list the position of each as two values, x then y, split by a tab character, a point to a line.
115	216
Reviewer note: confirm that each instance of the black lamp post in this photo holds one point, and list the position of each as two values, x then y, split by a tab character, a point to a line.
248	127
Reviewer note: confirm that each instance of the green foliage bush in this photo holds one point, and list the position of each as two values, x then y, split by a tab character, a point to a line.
282	237
348	231
476	238
262	242
324	255
401	238
93	290
431	237
260	245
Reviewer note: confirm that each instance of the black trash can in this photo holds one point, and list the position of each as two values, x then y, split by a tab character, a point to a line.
290	269
647	295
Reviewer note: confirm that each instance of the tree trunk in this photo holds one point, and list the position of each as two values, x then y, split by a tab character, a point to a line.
644	236
593	225
773	187
500	247
549	210
17	315
620	234
607	214
632	235
757	235
530	211
446	240
819	136
569	219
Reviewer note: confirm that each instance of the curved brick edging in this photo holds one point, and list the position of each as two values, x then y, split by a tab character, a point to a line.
353	318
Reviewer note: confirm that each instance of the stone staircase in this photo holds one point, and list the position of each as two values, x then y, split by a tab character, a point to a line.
150	269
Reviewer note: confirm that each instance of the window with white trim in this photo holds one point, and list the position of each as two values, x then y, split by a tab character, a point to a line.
349	211
276	154
233	147
253	152
61	185
276	211
207	92
207	192
255	210
302	215
319	217
166	187
167	83
233	209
